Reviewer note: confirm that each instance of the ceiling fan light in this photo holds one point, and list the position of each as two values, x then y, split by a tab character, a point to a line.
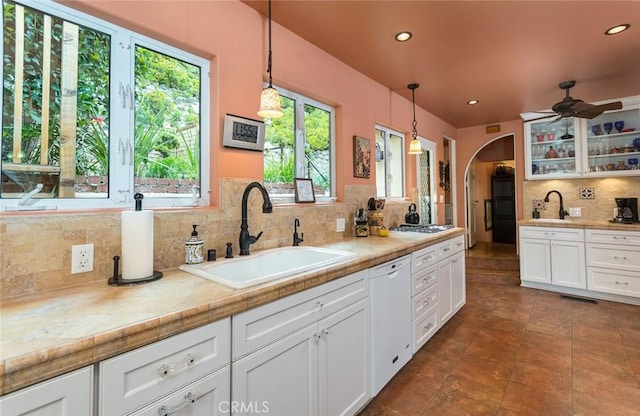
404	36
270	103
415	148
617	29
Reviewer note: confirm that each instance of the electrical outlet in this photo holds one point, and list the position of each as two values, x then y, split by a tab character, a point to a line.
81	258
339	225
575	212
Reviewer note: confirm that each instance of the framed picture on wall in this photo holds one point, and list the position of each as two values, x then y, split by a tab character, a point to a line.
244	133
488	225
361	157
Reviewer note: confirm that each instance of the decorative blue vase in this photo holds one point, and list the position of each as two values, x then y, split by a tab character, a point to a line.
619	125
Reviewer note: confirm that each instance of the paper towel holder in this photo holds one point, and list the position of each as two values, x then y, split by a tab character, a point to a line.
116	279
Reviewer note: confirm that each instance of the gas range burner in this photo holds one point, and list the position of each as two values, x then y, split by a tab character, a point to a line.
420	228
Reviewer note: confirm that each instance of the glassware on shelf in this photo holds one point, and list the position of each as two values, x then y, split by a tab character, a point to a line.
619	125
607	127
551	153
595	129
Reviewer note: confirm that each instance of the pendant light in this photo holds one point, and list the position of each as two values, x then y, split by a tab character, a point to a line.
270	99
414	147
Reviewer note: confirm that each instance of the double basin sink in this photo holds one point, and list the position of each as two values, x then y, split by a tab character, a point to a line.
268	265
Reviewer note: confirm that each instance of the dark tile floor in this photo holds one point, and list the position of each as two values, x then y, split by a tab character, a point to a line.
518	351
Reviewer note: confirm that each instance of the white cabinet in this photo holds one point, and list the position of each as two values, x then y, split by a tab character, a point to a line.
306	354
553	256
140	377
571	148
451	277
70	394
613	262
424	296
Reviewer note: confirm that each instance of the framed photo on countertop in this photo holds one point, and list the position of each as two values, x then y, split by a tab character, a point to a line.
304	190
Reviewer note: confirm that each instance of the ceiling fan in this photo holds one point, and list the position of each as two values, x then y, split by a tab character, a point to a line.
571	107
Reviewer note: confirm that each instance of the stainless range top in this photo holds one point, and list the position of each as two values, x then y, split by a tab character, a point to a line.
422	228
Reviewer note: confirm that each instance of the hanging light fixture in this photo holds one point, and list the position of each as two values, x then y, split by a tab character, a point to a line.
270	99
414	147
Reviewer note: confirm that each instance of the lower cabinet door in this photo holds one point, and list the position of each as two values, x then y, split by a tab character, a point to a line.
458	281
535	260
66	395
344	360
279	379
568	266
424	327
207	397
445	300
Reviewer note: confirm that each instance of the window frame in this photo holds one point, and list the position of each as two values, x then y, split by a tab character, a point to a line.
387	133
300	139
121	134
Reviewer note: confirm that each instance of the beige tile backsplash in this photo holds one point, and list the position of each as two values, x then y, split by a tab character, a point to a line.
600	208
35	249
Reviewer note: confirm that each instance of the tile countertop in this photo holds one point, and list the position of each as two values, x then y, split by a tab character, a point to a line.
575	223
48	334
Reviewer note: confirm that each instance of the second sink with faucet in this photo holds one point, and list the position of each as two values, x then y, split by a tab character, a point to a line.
561	213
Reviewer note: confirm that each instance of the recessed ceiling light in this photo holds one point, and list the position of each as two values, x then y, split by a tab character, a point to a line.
403	36
617	29
473	102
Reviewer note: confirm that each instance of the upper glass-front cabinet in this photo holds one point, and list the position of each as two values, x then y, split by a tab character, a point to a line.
552	149
607	145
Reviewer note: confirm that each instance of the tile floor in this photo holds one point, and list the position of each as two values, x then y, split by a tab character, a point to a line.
518	351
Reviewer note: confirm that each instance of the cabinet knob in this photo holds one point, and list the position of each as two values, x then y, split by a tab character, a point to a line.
428	327
622	283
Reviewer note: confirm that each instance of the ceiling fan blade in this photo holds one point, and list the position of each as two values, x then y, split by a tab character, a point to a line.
581	106
596	110
543	117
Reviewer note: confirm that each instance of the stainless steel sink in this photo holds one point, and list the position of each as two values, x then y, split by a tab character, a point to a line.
422	228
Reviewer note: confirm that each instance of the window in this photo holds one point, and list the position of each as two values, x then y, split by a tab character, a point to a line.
300	145
389	163
93	113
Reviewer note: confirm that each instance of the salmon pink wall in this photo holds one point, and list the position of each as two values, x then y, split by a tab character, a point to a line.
470	141
234	37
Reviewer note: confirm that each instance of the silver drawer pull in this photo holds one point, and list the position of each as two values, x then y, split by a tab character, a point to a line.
427	301
426	279
189	398
620	258
615	237
319	305
446	249
428	327
166	369
622	283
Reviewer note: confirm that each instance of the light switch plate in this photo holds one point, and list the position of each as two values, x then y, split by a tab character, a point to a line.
339	225
575	212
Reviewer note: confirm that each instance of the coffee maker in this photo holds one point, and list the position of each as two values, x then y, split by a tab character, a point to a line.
626	210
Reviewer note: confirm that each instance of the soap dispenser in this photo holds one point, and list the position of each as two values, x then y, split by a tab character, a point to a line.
194	248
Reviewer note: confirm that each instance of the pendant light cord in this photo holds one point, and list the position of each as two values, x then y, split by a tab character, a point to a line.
415	123
269	60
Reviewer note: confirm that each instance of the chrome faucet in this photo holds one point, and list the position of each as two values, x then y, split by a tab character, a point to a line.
562	212
247	239
297	240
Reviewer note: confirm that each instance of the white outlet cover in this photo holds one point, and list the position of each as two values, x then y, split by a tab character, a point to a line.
575	212
340	225
81	258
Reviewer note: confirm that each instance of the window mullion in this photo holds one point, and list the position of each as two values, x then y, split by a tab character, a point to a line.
301	165
121	135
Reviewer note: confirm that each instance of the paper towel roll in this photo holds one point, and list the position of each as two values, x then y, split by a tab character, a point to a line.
137	244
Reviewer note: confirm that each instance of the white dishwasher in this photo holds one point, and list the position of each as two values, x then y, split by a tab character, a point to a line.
390	296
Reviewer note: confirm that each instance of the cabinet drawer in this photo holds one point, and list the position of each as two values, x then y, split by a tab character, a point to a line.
424	327
449	247
207	397
141	376
423	258
617	257
618	282
265	324
424	279
626	238
552	233
424	301
68	394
